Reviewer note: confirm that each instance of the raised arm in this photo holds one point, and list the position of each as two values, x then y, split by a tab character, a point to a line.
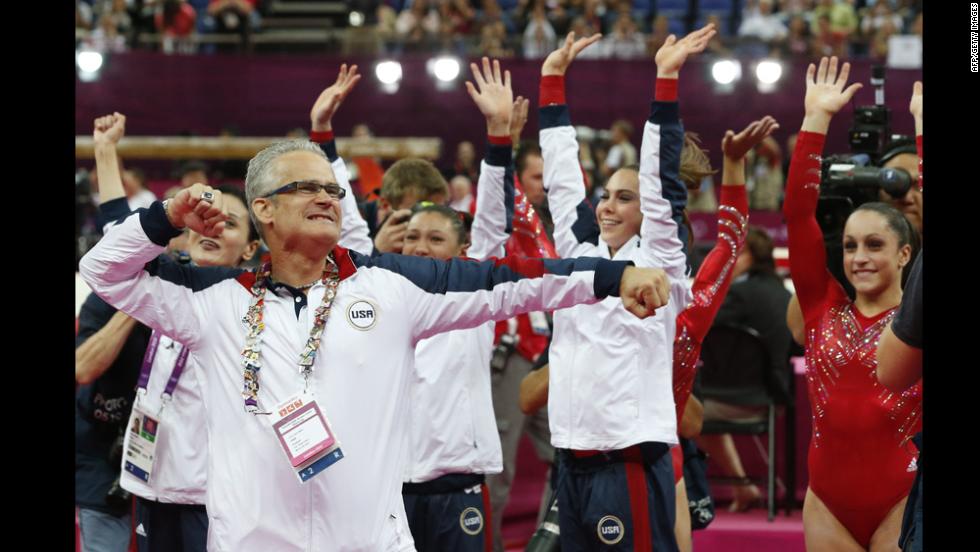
107	132
576	231
163	295
915	108
99	341
493	222
825	96
663	197
715	275
354	232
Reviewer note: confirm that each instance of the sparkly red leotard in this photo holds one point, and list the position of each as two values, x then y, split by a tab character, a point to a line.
860	461
710	287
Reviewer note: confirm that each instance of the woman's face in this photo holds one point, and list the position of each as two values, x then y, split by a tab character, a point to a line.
431	234
618	212
873	260
232	247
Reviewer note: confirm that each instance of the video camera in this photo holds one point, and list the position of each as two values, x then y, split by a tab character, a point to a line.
849	180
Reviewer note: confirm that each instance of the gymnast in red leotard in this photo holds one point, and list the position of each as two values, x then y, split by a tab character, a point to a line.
860	462
709	290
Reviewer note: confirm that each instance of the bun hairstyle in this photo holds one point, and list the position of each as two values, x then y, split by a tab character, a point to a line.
460	221
760	247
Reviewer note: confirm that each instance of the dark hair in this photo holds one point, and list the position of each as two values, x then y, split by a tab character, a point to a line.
760	246
525	150
412	174
895	219
460	220
907	234
227	189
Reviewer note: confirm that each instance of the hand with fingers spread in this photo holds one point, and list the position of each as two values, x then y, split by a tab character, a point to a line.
494	98
191	209
672	55
825	93
644	290
329	101
735	146
558	61
109	129
518	118
915	106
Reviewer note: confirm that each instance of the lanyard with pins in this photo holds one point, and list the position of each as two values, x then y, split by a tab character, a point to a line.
253	341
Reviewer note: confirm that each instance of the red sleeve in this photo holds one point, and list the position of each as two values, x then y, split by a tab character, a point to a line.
715	275
815	285
918	146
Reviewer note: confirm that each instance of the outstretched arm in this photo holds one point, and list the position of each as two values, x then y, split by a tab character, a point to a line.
576	231
915	108
354	232
494	217
825	95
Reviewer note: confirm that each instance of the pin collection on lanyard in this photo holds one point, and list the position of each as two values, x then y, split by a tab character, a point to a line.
253	341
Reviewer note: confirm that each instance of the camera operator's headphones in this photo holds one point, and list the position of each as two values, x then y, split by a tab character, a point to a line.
897	145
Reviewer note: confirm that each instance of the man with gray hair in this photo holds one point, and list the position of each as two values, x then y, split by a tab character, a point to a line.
307	450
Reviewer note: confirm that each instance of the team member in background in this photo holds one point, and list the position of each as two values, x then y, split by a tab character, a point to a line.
861	467
709	289
612	417
266	489
453	439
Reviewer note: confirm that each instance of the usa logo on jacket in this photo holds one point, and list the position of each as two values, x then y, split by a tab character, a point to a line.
362	315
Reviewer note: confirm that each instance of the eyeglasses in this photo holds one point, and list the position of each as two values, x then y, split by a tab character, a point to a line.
309	188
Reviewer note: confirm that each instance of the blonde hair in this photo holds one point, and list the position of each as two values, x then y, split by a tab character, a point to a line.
694	162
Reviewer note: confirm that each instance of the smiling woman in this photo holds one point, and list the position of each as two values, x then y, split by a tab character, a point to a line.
237	243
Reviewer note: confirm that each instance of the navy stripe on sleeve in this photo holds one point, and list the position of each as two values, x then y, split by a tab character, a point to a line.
585	228
114	210
466	275
502	156
156	225
196	278
330	149
666	115
554	116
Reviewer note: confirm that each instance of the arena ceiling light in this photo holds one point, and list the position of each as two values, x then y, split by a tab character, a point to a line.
89	62
726	71
389	73
768	71
445	68
356	19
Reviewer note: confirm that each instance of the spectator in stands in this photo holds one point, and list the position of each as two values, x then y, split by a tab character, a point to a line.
83	15
494	27
592	11
461	194
798	40
765	176
626	42
622	153
788	9
878	49
176	21
235	16
457	23
762	24
418	24
843	22
757	299
823	42
465	163
877	16
539	36
106	37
